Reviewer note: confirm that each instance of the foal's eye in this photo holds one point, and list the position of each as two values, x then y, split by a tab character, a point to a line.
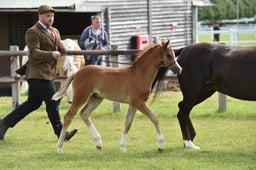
168	56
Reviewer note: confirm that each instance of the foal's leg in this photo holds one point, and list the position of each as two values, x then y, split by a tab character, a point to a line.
128	123
146	110
85	115
67	120
79	99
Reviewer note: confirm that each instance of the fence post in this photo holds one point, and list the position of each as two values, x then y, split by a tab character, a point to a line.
222	99
15	64
114	59
222	102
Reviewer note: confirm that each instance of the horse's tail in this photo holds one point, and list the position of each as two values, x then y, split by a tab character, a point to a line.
178	51
157	83
59	94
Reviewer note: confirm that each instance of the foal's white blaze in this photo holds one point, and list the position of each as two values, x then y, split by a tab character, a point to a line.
189	144
96	136
122	142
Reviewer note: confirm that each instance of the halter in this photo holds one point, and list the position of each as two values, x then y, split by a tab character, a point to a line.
161	55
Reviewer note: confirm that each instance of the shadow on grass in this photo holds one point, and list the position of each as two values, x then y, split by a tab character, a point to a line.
134	154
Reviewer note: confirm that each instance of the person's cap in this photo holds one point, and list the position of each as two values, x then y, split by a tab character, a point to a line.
45	8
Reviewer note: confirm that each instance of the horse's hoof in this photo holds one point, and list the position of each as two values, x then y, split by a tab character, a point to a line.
99	147
160	150
190	144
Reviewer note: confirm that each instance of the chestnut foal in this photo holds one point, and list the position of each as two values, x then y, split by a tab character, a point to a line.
131	85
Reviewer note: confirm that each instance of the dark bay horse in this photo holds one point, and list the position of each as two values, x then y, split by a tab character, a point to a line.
207	68
130	85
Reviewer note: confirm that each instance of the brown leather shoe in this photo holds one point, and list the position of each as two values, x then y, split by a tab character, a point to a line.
3	129
70	134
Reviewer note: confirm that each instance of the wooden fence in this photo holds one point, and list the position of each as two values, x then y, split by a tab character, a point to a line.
14	53
16	80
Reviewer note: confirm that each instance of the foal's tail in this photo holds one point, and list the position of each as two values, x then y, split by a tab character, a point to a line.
59	94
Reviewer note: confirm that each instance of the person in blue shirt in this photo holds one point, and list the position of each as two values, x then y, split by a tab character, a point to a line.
94	37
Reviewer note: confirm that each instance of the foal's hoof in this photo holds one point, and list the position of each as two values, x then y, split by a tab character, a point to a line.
123	150
99	147
160	150
59	150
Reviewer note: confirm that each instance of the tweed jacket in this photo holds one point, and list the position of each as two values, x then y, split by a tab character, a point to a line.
41	64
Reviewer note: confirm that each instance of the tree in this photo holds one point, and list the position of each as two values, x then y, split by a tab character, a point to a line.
227	9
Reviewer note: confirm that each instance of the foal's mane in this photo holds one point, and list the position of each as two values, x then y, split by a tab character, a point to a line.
143	52
157	79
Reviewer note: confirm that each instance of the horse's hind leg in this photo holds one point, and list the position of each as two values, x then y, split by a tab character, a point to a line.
85	113
128	123
145	109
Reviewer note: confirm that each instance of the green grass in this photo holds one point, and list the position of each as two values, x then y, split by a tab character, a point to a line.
227	139
226	38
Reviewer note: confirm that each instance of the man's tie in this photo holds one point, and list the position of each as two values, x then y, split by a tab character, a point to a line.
51	33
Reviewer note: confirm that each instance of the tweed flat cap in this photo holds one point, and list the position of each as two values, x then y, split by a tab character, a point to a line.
45	8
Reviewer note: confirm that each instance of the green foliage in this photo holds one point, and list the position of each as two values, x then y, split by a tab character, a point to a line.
227	9
227	139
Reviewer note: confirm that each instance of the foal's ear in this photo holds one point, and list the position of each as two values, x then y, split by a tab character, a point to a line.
165	43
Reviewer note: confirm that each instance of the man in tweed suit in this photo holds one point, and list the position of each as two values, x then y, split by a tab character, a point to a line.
44	44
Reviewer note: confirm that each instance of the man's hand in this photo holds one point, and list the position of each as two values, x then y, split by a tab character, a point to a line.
62	47
56	54
99	48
